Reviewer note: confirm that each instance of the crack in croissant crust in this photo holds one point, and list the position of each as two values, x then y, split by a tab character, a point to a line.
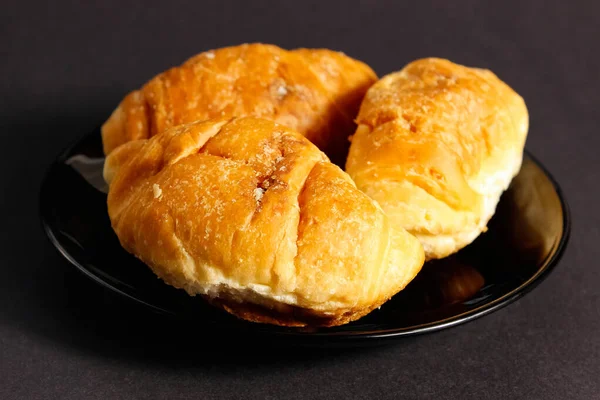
436	145
314	91
251	215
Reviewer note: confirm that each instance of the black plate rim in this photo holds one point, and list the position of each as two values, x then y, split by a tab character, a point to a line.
542	273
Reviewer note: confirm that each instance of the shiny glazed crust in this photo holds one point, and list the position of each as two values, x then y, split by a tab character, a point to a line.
436	145
251	215
314	91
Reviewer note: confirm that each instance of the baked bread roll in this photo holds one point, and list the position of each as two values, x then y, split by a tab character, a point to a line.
251	215
314	91
436	145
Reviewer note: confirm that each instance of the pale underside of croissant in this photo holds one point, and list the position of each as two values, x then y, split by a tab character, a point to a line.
316	92
251	215
436	145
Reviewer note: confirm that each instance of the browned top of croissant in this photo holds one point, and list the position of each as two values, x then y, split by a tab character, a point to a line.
314	91
253	216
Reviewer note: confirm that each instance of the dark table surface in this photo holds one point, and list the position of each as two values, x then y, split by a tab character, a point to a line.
63	68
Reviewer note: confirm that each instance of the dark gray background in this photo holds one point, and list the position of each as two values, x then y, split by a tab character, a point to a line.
64	66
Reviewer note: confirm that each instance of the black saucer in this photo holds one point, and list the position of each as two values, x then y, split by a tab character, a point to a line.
524	242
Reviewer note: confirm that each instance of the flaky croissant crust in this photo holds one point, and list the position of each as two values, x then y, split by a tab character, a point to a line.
251	215
436	145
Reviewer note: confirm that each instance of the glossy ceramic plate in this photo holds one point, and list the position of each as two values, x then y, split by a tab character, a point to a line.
524	242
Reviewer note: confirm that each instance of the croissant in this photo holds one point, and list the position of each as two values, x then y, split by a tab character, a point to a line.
252	216
314	91
436	145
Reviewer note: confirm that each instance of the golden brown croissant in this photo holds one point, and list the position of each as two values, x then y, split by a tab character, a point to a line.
314	91
437	144
254	217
